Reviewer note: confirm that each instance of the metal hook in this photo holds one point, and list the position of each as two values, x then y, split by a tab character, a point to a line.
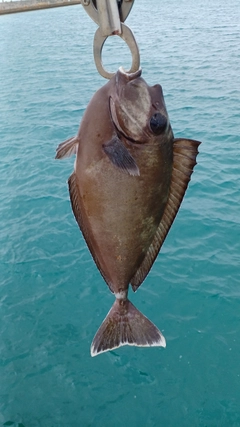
109	15
128	37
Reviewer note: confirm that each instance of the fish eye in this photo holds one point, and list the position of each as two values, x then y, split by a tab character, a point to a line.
158	123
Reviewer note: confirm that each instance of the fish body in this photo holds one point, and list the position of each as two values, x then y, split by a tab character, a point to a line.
129	179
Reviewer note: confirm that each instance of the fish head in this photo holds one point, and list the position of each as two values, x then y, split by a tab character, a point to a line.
138	111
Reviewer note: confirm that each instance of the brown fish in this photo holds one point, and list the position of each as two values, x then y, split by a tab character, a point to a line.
129	179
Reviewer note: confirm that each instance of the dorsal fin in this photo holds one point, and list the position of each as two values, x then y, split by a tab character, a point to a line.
184	159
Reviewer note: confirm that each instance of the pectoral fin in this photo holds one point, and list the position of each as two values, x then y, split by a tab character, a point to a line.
120	156
67	148
184	159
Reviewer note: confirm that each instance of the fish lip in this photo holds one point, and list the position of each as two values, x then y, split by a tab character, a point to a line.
119	130
122	75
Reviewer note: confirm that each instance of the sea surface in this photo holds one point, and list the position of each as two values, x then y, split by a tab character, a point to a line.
52	297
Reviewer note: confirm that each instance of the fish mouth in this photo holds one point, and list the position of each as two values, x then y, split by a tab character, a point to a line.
123	77
119	130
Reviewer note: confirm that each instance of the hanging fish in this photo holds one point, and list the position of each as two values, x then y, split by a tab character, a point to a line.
129	179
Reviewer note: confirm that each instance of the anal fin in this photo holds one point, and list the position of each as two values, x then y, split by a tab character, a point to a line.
85	227
75	199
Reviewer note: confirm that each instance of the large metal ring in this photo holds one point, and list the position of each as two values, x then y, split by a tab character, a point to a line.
128	37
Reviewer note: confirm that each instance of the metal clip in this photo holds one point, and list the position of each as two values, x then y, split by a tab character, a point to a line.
109	20
110	15
91	8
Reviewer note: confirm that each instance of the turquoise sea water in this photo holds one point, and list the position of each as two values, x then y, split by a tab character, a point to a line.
52	297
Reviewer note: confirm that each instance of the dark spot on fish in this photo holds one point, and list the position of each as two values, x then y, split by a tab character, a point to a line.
158	123
156	105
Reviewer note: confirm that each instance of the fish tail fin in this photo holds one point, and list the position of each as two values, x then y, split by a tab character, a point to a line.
67	148
125	325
